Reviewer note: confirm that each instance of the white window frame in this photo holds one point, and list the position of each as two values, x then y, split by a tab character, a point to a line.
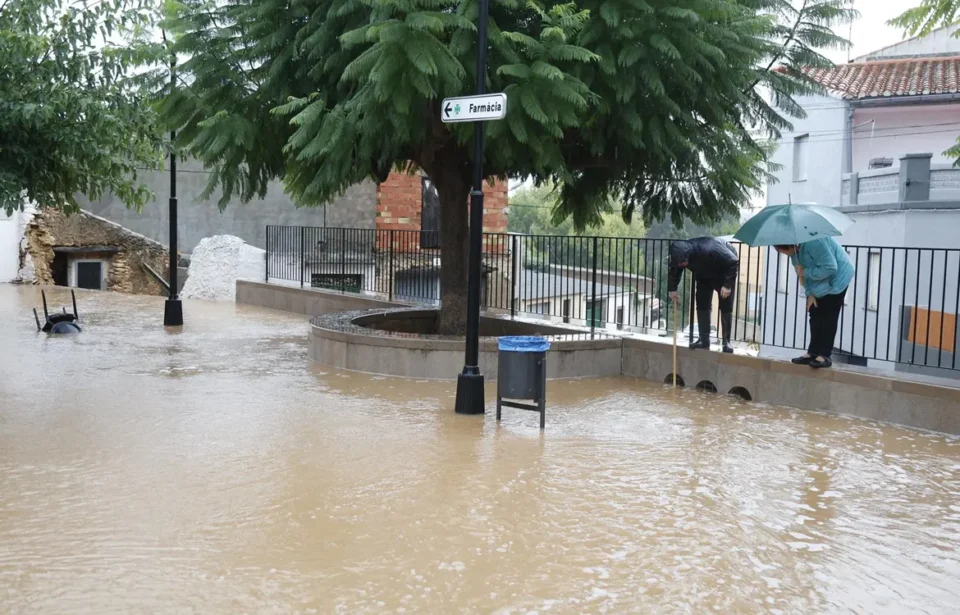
72	271
801	155
874	282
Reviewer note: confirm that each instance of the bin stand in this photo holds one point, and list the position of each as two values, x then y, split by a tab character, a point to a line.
538	405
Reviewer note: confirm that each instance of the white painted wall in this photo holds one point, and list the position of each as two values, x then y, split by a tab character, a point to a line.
9	246
823	126
12	229
894	131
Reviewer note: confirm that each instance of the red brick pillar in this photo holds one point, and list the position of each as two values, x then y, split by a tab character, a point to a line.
399	207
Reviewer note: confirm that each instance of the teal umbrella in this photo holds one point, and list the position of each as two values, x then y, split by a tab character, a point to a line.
792	225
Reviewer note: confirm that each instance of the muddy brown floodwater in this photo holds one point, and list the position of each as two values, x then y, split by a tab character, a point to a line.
217	471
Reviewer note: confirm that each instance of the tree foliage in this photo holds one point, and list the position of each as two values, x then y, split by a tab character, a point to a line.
928	16
532	210
622	247
655	104
71	118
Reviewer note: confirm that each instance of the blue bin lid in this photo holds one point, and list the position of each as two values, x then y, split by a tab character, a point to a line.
523	343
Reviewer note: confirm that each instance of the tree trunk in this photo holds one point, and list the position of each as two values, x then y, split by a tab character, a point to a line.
454	190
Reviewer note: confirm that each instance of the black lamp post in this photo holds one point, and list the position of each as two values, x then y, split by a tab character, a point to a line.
470	381
172	308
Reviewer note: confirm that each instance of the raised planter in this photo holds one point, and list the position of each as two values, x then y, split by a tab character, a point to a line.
395	342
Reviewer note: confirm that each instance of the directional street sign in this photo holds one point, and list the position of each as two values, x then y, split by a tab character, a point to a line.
474	108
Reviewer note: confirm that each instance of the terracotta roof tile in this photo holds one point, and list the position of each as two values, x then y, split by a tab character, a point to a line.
890	78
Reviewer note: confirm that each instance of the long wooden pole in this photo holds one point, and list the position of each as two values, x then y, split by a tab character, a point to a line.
674	344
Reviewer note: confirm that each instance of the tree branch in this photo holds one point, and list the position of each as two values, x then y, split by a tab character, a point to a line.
790	38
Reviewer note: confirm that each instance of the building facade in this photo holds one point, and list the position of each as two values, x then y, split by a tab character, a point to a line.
875	147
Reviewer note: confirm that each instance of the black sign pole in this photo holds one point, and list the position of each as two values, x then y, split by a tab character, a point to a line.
470	381
172	308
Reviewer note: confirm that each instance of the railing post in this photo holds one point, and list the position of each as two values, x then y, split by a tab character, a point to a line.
693	305
593	291
302	256
854	189
266	265
390	274
343	260
514	256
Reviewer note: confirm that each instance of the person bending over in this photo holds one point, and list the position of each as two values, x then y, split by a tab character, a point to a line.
825	271
714	265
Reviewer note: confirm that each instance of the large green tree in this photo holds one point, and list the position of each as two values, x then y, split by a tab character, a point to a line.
654	103
72	120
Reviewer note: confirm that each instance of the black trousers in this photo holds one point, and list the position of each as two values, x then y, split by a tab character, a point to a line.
705	290
823	324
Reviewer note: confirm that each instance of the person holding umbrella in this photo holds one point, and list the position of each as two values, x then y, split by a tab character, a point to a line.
805	233
714	264
825	271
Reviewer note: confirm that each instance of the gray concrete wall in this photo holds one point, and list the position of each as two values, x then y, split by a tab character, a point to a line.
202	218
917	402
309	302
443	359
840	391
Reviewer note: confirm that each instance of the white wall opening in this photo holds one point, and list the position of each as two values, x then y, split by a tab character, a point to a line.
801	147
90	273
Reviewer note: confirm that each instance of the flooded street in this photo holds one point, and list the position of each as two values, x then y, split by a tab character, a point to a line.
217	471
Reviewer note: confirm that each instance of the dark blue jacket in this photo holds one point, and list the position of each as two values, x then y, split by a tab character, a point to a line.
712	261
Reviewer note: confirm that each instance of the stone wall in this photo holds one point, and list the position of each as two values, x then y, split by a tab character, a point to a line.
51	228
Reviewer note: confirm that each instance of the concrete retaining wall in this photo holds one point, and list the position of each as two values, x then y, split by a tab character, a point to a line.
304	301
918	403
841	391
443	359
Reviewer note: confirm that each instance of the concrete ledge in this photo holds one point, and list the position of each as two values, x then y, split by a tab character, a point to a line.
309	302
889	397
841	391
339	342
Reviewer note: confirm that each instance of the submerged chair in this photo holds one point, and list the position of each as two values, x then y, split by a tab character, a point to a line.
58	323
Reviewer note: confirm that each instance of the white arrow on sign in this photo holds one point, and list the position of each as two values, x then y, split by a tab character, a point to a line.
474	108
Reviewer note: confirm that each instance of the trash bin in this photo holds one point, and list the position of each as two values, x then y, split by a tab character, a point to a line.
522	374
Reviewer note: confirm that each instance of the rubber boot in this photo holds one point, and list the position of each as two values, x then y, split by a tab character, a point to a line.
726	322
703	321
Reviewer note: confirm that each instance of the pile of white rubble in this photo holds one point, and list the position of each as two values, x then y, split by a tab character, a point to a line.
217	263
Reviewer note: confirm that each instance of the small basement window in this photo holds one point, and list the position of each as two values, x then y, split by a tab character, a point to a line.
88	273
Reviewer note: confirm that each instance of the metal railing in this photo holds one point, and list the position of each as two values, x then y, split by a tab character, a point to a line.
901	308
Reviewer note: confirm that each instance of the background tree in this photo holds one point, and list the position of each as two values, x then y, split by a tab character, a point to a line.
623	247
652	103
928	16
71	118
